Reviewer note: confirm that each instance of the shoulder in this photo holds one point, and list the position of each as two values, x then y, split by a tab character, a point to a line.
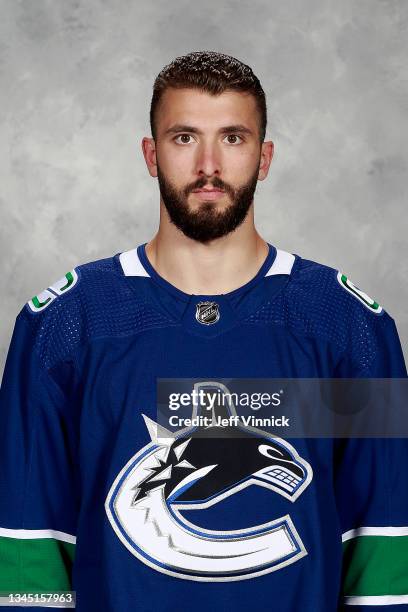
102	298
73	286
323	302
325	290
64	314
72	293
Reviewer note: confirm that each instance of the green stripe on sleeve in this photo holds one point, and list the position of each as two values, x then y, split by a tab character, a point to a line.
35	565
375	565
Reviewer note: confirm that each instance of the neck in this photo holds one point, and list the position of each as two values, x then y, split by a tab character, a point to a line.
219	266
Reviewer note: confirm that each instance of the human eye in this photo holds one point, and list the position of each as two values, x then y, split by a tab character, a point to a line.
234	136
183	136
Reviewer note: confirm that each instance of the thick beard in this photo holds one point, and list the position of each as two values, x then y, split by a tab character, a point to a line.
207	223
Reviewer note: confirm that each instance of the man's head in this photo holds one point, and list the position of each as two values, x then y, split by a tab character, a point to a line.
208	122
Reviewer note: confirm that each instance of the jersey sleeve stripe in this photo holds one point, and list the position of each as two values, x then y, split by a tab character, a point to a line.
375	565
35	565
35	534
374	531
376	600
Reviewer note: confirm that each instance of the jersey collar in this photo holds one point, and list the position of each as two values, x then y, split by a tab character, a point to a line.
135	263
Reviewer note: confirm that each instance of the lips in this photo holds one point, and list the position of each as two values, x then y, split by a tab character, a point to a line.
208	194
208	191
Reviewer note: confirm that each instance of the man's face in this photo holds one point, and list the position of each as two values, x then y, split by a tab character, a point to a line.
207	155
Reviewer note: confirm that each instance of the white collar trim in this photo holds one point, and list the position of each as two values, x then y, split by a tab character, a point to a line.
282	264
131	264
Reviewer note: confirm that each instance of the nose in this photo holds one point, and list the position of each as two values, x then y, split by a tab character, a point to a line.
208	160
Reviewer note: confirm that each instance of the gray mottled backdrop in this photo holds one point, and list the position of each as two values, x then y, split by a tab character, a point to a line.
75	81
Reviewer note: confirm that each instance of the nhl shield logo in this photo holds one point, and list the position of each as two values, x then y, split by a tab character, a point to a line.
207	312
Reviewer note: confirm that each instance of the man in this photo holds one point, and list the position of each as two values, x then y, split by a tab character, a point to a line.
98	498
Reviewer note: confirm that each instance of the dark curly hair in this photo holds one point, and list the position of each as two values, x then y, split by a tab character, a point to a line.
211	72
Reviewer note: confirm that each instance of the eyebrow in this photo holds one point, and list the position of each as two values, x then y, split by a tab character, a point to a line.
228	129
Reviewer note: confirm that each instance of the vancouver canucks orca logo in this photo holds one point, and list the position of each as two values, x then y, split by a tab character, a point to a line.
176	474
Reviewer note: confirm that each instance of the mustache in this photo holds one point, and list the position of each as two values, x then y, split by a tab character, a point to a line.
216	182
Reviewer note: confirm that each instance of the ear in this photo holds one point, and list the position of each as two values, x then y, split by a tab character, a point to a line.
266	159
149	153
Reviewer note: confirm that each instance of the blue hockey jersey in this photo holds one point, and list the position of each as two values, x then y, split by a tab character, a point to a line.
93	500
